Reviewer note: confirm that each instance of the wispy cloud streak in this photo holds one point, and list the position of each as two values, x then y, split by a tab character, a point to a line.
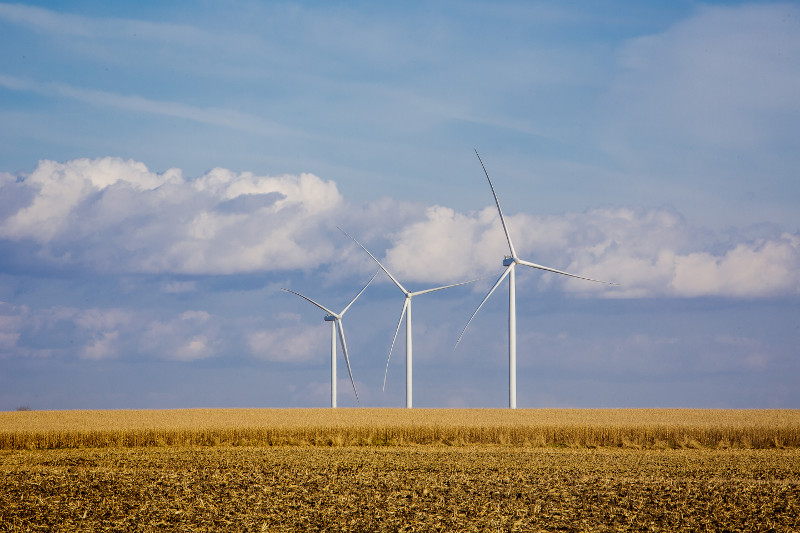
225	118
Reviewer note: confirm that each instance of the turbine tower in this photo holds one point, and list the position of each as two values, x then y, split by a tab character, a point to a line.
336	323
510	262
407	313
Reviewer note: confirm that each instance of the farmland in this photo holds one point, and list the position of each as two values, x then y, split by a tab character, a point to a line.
394	470
636	428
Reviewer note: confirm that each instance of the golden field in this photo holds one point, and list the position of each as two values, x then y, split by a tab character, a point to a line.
408	488
634	428
271	470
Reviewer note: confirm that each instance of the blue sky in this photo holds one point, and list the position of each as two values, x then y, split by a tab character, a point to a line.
165	168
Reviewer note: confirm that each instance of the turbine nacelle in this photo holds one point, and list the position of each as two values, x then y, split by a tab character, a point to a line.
336	319
510	262
405	313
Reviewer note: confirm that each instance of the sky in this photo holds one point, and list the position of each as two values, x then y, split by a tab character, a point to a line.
167	167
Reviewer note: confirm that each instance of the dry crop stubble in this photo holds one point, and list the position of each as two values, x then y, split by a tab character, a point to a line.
457	470
426	488
635	428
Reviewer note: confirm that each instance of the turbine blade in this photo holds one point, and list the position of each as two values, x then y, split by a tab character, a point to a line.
376	260
340	327
502	218
446	286
402	314
496	284
548	269
359	294
312	301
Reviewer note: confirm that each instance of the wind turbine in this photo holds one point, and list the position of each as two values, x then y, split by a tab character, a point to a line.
510	262
407	313
336	323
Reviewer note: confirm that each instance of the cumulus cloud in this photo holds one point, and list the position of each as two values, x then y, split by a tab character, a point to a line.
651	253
101	346
190	336
447	245
102	333
193	349
290	343
763	268
62	331
115	215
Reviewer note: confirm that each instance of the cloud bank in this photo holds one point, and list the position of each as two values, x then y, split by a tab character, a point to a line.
111	215
651	253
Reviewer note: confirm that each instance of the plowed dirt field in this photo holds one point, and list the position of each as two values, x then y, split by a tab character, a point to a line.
431	488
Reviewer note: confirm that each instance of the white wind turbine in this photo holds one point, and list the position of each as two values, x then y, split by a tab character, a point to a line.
510	262
336	321
407	313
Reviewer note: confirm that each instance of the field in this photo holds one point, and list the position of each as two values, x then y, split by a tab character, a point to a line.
634	428
349	471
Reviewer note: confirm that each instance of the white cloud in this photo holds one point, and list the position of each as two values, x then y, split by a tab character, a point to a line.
111	215
651	253
62	188
96	319
103	333
290	343
189	336
115	215
194	349
101	347
447	245
64	331
764	268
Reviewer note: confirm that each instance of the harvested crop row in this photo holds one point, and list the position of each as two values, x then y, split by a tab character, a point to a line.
399	489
